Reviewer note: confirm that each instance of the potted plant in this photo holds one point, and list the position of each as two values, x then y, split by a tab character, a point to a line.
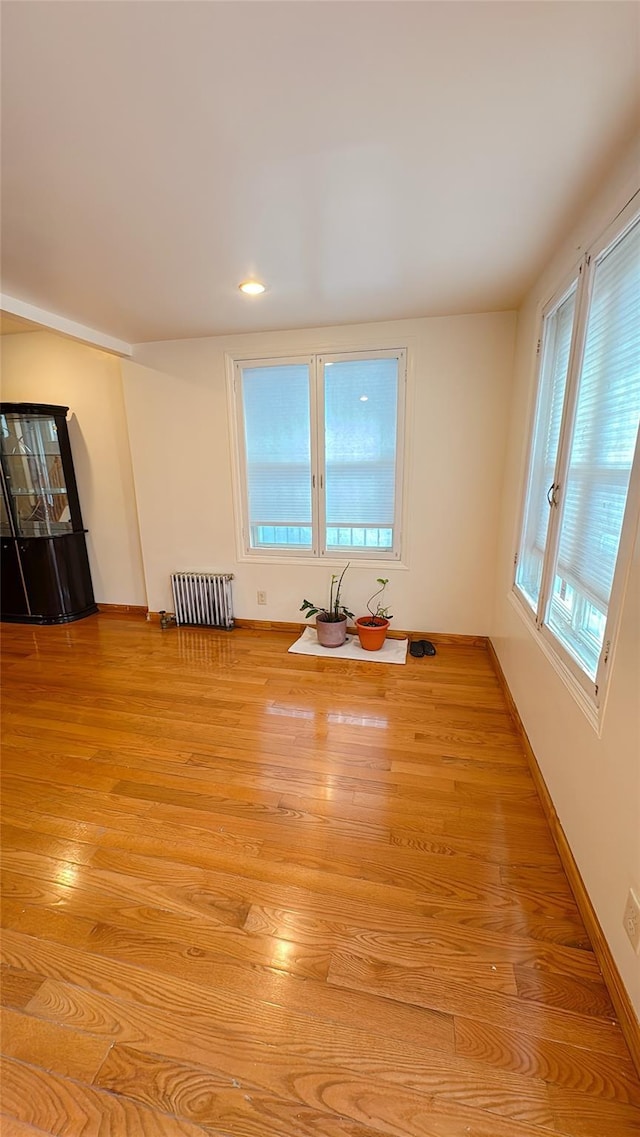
331	622
372	629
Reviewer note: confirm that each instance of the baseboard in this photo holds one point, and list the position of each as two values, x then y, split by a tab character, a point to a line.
442	638
269	625
450	639
397	633
246	625
284	626
123	609
619	995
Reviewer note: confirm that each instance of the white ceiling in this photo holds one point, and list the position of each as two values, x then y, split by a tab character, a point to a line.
367	160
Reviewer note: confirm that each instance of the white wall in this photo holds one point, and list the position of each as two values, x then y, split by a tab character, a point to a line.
594	781
460	372
40	367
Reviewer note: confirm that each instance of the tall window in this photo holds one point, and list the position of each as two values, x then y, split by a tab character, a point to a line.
584	473
320	443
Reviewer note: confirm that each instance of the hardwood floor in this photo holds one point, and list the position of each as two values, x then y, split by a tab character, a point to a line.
254	894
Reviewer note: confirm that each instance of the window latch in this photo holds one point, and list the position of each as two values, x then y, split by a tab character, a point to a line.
552	494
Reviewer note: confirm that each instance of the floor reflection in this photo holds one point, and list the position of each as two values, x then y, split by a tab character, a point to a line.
198	648
289	712
342	718
378	721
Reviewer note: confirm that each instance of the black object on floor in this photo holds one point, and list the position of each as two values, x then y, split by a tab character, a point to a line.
419	648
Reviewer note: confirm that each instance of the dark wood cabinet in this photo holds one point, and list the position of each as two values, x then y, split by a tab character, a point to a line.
46	577
12	590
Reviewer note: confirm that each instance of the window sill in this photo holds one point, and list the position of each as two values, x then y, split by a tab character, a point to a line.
592	711
328	561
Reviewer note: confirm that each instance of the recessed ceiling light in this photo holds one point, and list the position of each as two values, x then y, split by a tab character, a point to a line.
364	398
251	287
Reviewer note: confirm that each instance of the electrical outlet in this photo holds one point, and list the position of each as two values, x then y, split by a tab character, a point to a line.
262	597
631	920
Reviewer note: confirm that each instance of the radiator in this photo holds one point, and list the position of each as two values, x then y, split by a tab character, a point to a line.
203	598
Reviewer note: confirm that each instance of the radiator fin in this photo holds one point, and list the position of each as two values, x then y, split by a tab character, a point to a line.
203	598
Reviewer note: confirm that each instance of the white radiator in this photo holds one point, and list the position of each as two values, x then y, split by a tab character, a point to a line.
203	598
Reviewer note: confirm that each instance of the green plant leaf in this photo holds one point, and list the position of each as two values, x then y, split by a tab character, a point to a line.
312	610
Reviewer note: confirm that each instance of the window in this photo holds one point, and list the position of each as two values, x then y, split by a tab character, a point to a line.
320	445
584	473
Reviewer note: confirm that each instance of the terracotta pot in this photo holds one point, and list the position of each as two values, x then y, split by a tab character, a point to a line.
331	633
372	632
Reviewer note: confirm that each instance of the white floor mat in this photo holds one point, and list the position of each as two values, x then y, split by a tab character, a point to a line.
392	651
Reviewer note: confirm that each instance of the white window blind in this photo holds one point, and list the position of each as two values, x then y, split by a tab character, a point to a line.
319	444
601	456
360	437
556	344
277	429
584	457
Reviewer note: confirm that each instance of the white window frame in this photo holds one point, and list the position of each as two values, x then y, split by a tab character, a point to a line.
591	694
316	363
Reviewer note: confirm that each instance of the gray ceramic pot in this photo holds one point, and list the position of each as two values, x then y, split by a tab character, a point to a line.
331	634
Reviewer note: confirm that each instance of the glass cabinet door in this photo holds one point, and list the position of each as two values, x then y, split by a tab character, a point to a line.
34	475
5	520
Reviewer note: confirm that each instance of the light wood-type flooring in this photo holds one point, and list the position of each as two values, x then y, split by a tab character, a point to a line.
249	893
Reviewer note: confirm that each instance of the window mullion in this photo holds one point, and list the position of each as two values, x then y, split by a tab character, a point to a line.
565	440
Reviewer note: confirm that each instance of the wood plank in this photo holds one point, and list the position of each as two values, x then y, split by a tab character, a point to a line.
238	803
434	817
69	801
221	941
31	841
293	1064
368	902
213	1099
68	1108
158	771
463	967
412	942
247	1110
174	890
55	924
422	987
602	1075
196	990
65	772
564	991
108	731
383	863
53	1047
278	979
277	985
17	986
155	839
582	1115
